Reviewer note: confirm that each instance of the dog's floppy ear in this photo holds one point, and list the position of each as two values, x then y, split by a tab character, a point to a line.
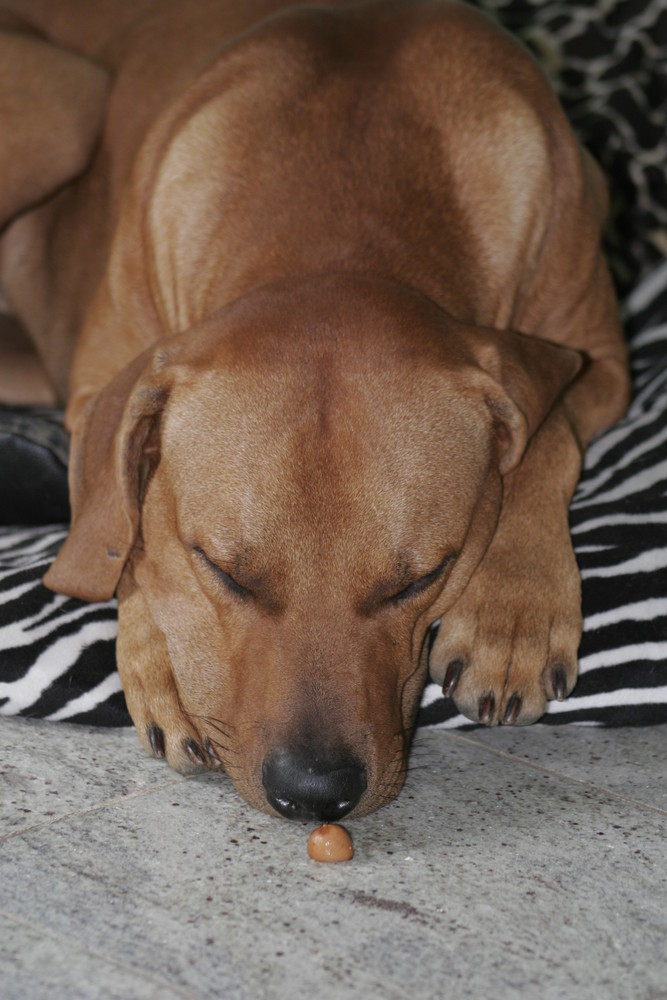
527	377
52	106
110	452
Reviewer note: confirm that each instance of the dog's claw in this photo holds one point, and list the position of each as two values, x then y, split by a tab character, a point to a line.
215	760
512	710
559	683
194	752
487	703
156	739
452	677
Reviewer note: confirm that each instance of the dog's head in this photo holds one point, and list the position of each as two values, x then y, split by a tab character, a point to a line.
300	486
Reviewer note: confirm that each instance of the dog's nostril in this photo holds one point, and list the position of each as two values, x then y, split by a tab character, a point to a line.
286	807
299	786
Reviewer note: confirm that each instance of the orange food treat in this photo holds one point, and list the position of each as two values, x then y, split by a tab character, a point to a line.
330	843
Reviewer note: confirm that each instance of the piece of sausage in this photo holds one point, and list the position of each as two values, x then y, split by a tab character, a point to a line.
330	842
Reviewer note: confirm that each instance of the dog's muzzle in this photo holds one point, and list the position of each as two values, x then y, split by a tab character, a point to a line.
301	786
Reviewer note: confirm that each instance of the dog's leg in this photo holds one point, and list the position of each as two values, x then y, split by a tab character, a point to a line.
51	113
52	106
23	381
510	641
151	690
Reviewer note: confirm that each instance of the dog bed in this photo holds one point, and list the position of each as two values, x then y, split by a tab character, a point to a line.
608	62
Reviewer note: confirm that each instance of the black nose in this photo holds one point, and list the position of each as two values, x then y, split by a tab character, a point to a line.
301	786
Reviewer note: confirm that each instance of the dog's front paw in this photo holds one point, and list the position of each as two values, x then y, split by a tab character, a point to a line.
510	642
151	691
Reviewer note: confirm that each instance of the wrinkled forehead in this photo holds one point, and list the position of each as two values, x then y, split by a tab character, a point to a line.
334	403
328	440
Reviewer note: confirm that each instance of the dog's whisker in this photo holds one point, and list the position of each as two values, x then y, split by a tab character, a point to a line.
414	768
217	725
386	787
251	724
421	753
225	746
218	728
210	718
222	747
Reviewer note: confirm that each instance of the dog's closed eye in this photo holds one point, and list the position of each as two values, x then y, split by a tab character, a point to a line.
388	593
422	583
227	579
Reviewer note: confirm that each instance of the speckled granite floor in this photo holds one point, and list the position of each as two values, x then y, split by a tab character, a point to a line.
516	863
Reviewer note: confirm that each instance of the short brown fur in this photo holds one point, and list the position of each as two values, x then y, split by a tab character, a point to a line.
322	289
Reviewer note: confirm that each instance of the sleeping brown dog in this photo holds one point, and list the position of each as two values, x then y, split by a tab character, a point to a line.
323	291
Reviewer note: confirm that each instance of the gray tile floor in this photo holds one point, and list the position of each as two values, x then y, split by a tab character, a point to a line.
516	863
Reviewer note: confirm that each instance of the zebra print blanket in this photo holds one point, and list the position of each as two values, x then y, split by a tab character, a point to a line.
608	61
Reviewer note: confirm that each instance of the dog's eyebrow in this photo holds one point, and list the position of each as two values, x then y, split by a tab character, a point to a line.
396	591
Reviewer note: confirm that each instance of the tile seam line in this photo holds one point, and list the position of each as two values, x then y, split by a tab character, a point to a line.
505	755
96	953
96	807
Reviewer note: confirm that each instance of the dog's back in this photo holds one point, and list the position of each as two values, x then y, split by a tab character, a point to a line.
352	141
